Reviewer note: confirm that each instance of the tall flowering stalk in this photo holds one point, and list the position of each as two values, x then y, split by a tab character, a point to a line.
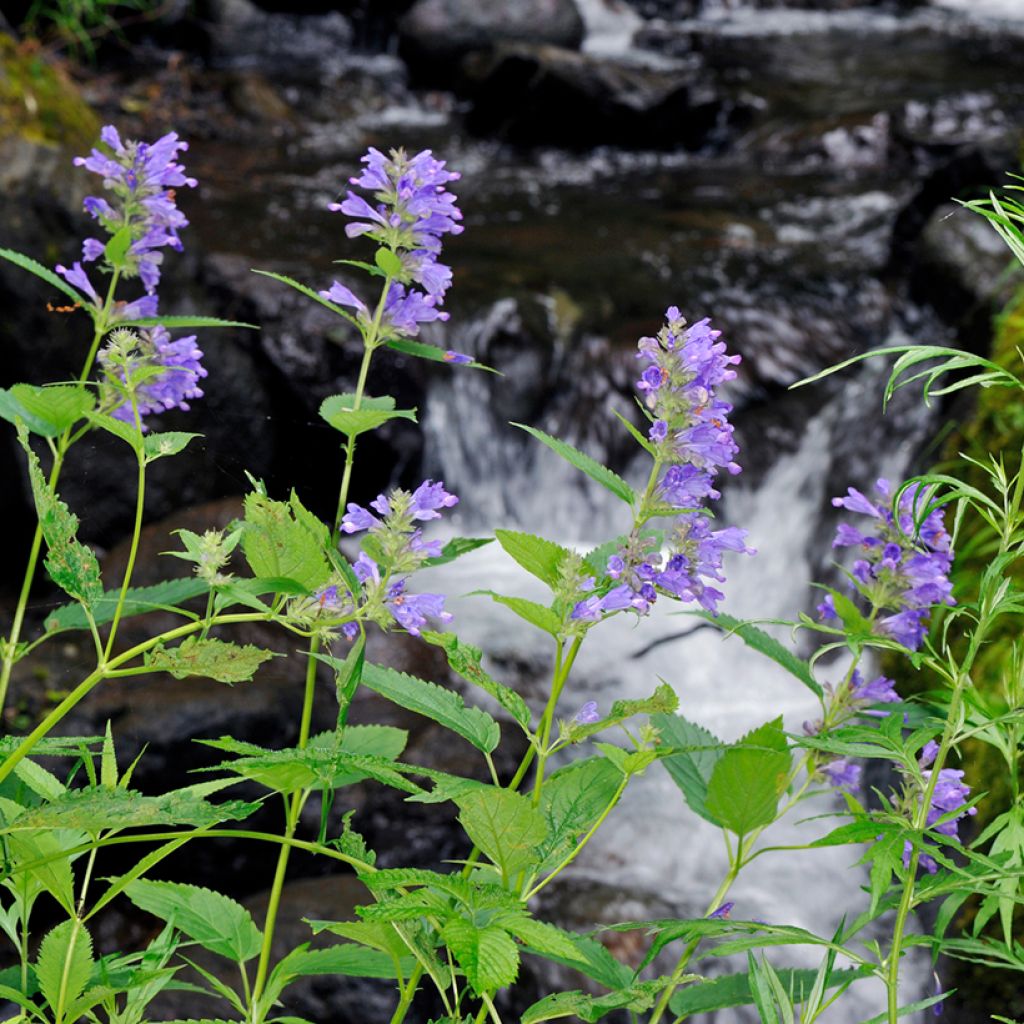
691	441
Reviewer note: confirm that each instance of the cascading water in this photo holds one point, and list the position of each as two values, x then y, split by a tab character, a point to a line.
675	858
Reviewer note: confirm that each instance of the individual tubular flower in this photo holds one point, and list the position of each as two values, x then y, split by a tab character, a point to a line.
692	441
842	774
141	179
903	567
411	212
151	370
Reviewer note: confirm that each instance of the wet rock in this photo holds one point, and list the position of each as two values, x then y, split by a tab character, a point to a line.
440	31
289	46
548	95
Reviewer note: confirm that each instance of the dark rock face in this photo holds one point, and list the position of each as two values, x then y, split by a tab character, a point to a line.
435	31
548	95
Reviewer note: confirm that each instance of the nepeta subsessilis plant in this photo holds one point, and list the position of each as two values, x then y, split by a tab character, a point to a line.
465	930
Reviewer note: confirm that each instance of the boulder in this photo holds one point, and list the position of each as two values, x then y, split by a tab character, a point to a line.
440	31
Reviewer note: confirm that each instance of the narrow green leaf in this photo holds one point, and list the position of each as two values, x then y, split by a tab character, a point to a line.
138	601
173	323
443	706
108	761
542	558
340	412
765	644
209	658
127	432
690	768
457	547
505	825
34	267
215	921
536	614
465	660
637	435
309	293
421	350
604	476
345	958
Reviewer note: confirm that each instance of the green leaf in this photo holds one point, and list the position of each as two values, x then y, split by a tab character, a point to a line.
340	412
309	293
116	249
536	614
64	966
345	958
594	960
465	660
127	432
504	825
348	674
543	558
49	410
215	921
850	615
170	442
279	542
71	565
604	476
421	350
734	989
173	323
662	701
377	936
34	267
543	939
488	956
572	799
457	547
352	844
50	871
691	768
388	262
636	434
96	808
442	706
767	645
208	658
635	997
138	601
748	779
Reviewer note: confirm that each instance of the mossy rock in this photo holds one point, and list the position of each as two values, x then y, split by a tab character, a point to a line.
39	102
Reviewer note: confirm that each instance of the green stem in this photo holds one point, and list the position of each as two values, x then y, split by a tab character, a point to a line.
563	666
140	500
408	992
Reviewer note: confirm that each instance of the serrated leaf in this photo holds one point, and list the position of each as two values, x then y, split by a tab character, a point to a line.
604	476
71	564
169	442
94	809
536	614
127	432
215	921
50	872
345	958
542	558
138	601
34	267
465	660
748	779
571	801
763	643
367	933
351	843
488	956
308	292
208	658
542	938
64	966
421	350
691	768
340	412
457	547
442	706
277	544
505	826
52	409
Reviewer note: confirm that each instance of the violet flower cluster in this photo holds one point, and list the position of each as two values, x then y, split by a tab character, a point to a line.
397	547
692	441
949	796
142	219
413	209
903	567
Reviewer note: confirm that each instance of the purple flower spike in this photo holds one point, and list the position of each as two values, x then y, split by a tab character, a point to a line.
428	498
411	611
